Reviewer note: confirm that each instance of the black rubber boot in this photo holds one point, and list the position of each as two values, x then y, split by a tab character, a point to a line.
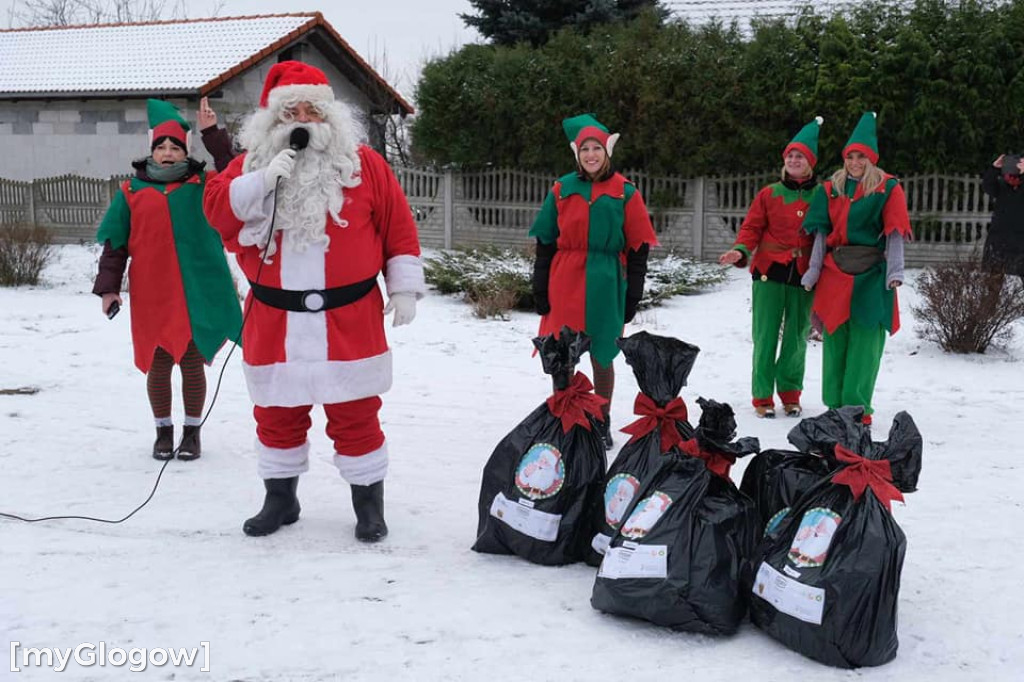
163	448
280	507
368	501
190	448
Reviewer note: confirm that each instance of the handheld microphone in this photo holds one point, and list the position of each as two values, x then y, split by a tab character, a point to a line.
299	139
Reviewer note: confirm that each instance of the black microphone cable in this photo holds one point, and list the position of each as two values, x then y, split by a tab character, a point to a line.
298	141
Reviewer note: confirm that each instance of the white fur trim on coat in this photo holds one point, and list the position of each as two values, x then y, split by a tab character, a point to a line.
282	462
294	383
364	469
299	93
404	275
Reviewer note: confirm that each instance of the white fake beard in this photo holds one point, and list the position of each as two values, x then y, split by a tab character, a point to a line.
316	188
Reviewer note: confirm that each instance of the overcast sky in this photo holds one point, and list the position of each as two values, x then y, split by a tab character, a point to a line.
407	31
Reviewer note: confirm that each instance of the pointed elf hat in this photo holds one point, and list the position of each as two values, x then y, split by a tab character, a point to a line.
806	141
864	138
166	121
585	127
295	80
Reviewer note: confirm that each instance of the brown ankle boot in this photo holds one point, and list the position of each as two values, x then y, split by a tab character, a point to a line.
163	448
189	448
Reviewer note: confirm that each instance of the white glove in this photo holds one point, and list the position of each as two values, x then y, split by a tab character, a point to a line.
280	167
404	307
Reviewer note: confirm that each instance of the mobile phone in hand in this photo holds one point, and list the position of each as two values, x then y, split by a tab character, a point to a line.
113	310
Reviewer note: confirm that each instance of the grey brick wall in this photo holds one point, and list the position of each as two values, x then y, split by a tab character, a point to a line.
100	138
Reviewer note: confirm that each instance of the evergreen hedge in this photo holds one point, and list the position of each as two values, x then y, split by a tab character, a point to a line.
946	78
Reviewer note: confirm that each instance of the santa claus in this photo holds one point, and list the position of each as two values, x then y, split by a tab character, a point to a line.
646	514
313	217
539	477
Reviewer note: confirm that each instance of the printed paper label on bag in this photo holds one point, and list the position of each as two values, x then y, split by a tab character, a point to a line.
533	522
541	472
646	561
790	596
812	540
617	496
645	515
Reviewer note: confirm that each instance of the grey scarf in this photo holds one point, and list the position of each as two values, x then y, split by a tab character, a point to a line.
173	173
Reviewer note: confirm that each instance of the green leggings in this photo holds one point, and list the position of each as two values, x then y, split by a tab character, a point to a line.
778	305
851	358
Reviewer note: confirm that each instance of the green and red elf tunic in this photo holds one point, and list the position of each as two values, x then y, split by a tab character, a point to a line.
772	230
181	288
594	225
853	218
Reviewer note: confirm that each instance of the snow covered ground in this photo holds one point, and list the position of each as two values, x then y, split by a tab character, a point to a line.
311	603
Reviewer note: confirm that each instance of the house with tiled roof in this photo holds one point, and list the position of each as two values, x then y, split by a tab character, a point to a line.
73	99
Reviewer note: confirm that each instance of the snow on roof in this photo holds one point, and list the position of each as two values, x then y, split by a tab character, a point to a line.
161	57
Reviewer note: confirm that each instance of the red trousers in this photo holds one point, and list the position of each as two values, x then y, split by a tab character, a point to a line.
353	426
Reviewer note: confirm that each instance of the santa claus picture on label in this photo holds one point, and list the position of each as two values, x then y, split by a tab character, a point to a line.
646	514
813	538
541	472
617	496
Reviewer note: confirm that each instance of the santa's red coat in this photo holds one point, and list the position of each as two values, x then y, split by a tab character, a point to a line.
303	358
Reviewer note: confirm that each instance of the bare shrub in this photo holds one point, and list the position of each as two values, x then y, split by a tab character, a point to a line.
494	302
24	251
966	308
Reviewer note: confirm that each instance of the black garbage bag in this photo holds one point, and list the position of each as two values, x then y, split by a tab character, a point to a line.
544	479
714	439
661	365
676	560
774	480
902	449
827	576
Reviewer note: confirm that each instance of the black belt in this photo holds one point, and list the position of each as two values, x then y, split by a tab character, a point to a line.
312	300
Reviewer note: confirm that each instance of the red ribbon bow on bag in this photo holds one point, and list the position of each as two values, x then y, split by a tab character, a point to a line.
861	474
654	417
575	402
717	463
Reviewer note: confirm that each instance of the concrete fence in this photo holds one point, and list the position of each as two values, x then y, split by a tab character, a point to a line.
693	216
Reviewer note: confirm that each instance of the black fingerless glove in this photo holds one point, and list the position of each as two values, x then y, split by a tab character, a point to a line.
541	275
636	273
631	304
541	303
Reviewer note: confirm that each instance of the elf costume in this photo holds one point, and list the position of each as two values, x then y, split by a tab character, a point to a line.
778	250
857	310
184	302
593	237
592	228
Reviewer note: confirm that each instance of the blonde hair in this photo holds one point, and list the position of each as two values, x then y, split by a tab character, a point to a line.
871	180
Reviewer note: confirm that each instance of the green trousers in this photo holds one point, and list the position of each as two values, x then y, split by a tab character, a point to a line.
775	306
850	362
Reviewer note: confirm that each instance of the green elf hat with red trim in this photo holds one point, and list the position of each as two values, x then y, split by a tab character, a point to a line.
166	121
586	127
864	138
806	141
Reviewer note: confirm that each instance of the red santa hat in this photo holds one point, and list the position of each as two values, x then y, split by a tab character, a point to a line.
295	80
